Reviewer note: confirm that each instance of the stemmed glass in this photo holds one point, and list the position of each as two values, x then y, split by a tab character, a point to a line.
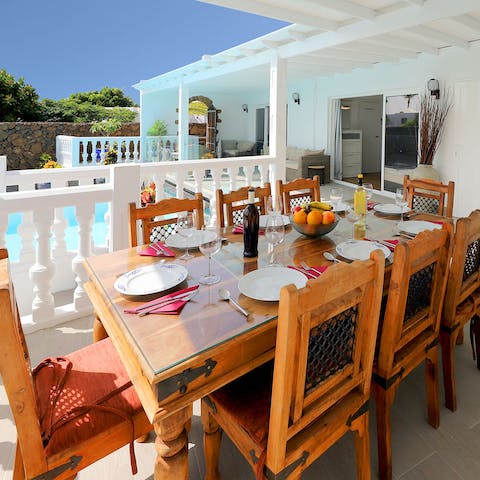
273	205
274	233
210	244
186	229
336	196
368	187
401	200
352	217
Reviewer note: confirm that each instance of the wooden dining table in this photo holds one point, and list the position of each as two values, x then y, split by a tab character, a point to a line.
174	360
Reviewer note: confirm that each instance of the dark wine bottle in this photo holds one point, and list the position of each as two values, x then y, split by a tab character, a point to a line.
251	219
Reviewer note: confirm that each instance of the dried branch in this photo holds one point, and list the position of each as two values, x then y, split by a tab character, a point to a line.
433	114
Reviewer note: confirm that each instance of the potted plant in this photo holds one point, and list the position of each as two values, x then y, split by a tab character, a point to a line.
433	114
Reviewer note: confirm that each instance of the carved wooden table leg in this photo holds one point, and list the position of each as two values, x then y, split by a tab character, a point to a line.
172	445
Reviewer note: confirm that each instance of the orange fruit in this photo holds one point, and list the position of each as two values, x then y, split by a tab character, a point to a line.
300	217
328	217
314	217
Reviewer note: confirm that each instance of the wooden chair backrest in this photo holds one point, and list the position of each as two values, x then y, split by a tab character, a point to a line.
17	376
298	192
230	206
428	195
325	347
416	293
464	273
169	206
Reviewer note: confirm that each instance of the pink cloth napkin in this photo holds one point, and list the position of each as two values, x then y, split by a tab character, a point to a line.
239	229
371	205
309	273
152	252
171	309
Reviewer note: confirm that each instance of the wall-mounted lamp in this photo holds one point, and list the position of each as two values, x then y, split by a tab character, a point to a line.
434	87
345	107
245	108
296	98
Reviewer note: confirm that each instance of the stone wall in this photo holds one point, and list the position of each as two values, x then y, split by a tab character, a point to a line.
24	142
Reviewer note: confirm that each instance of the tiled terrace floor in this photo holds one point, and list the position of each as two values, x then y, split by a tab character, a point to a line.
419	452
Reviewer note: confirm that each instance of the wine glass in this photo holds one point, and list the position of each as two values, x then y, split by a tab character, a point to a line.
401	201
336	196
210	244
368	187
353	217
275	234
273	204
186	229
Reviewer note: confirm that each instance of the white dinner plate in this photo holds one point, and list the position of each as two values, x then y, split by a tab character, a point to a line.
341	207
263	220
177	241
414	227
390	209
151	279
360	249
265	283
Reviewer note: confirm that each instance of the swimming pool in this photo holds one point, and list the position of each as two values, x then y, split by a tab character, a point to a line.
99	230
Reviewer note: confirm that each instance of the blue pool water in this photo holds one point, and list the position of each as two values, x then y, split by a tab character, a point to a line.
99	230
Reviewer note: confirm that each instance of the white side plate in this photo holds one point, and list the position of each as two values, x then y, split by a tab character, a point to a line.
390	209
414	227
177	241
151	279
360	249
265	283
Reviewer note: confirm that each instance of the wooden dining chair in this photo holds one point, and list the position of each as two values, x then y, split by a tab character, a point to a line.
462	298
429	196
299	191
69	411
230	206
156	229
284	417
409	333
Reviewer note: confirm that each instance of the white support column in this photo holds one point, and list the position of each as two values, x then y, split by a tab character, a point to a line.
85	214
125	180
278	114
64	279
183	97
41	273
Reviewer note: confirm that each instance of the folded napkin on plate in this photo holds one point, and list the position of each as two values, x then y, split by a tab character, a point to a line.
310	273
239	229
390	244
173	308
157	250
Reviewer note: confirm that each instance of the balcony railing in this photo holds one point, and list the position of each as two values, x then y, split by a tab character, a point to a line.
89	151
46	266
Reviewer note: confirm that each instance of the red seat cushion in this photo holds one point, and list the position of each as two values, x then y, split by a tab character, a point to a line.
96	371
247	401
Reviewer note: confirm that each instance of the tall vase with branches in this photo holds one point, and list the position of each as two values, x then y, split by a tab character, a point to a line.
433	113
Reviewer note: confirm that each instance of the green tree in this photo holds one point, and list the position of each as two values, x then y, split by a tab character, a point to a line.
106	97
18	101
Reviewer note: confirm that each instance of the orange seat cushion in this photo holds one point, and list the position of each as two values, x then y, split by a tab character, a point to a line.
96	371
247	401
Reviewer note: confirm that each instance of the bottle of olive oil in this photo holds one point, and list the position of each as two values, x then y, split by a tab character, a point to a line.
360	207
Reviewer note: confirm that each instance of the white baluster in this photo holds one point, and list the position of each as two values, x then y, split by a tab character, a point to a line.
197	180
59	225
262	175
216	175
159	180
85	214
41	273
179	183
26	231
108	232
248	174
136	157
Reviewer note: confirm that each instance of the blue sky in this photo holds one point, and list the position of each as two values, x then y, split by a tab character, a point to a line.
62	47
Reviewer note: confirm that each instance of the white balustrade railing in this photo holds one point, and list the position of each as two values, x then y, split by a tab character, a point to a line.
46	265
91	151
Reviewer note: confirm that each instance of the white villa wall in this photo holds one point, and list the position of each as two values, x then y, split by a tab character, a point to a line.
159	105
457	69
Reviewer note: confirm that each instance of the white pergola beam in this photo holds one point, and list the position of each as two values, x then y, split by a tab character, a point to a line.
319	59
343	6
296	35
290	15
346	54
404	43
431	33
366	47
419	3
467	21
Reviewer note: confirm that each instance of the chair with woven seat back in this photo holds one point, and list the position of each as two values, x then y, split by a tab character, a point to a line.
409	332
429	196
298	191
156	229
283	417
230	206
69	411
462	299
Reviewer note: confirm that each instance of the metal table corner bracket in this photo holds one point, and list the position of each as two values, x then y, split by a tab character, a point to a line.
283	475
180	381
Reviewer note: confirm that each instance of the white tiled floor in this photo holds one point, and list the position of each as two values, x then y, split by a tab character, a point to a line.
419	452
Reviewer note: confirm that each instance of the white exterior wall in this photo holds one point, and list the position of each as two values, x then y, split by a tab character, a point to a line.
160	105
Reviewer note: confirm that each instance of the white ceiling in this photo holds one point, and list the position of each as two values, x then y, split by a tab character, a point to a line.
333	36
